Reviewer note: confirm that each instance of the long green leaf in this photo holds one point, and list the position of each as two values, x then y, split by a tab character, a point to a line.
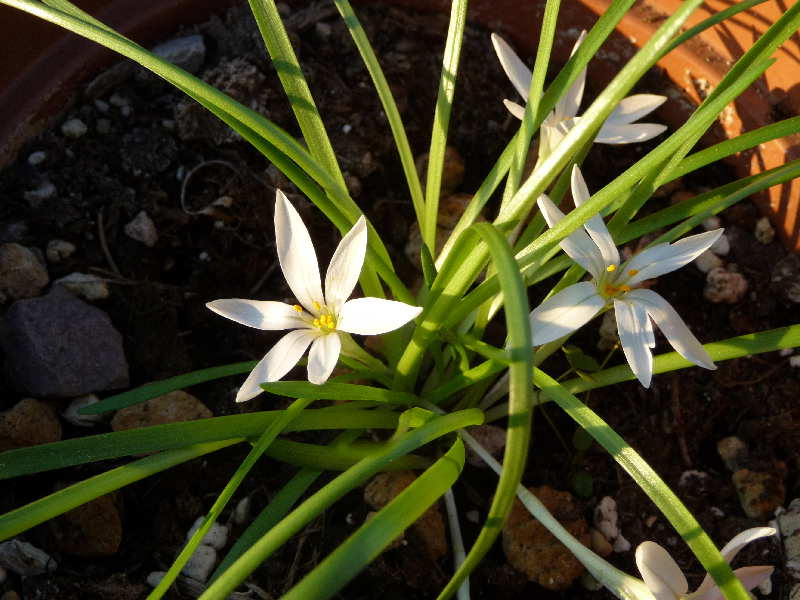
361	548
339	392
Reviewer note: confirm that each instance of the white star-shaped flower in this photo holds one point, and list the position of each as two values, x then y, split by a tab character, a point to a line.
665	580
318	320
619	128
615	285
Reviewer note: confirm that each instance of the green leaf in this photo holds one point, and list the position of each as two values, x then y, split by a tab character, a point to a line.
580	361
339	392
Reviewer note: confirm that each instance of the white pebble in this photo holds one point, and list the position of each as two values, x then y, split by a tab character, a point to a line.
37	158
216	536
347	128
25	559
118	100
241	514
764	231
87	286
708	261
101	105
722	246
154	578
786	352
125	111
621	544
606	517
74	128
142	229
712	223
795	362
45	191
72	415
717	512
473	516
200	564
204	256
58	250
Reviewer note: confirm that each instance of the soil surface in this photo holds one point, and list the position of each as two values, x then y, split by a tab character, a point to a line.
210	197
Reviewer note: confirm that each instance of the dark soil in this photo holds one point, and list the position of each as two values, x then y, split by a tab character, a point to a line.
157	302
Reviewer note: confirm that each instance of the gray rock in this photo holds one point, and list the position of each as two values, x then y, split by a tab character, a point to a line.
22	275
87	286
142	229
59	346
37	158
785	277
74	128
188	52
58	250
109	79
45	191
25	559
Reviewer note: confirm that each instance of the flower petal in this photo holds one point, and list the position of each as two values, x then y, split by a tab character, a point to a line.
751	578
296	254
373	316
660	572
277	362
632	326
515	109
515	69
739	541
570	102
673	327
323	357
635	107
665	258
345	266
565	312
595	226
612	133
578	245
261	314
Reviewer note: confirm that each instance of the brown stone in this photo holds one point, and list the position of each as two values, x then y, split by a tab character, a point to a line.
452	170
760	492
170	408
533	550
90	530
28	423
429	529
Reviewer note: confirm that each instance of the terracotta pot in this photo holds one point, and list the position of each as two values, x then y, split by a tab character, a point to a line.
55	61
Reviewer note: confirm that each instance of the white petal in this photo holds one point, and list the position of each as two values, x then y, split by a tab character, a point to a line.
277	362
662	575
515	69
611	133
565	312
665	258
751	578
635	107
261	314
373	316
632	326
578	245
739	541
515	109
323	357
345	266
550	136
570	102
595	226
296	254
673	327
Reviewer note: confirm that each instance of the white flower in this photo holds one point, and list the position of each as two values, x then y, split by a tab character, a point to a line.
619	128
665	580
318	320
614	285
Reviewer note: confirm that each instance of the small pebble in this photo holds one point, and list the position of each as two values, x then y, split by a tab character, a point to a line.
708	261
201	563
142	229
722	246
58	250
723	286
28	423
760	492
241	514
764	231
101	105
154	578
44	191
74	128
118	100
21	273
72	413
347	128
323	31
795	362
103	126
733	452
473	516
786	352
621	545
717	512
85	285
606	518
168	124
188	52
125	110
25	559
216	536
712	223
37	158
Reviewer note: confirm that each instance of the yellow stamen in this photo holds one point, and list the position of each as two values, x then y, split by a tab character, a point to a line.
315	323
633	272
611	268
625	288
316	305
298	308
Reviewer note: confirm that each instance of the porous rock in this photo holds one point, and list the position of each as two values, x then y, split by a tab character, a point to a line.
733	452
760	492
22	275
58	250
92	529
724	286
173	407
785	278
186	52
533	550
142	229
25	559
58	346
28	423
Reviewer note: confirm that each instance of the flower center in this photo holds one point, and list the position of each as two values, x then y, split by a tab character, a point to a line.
326	321
616	285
